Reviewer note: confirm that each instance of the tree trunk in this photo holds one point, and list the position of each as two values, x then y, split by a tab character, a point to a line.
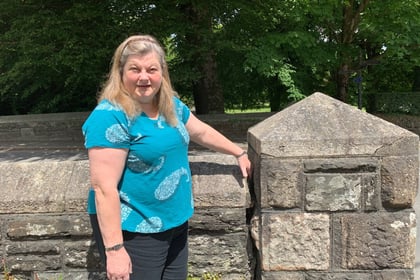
416	82
343	82
352	11
278	95
207	92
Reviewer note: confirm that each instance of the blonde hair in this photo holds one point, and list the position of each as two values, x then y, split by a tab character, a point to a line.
114	91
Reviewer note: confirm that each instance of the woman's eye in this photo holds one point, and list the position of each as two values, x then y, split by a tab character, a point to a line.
133	69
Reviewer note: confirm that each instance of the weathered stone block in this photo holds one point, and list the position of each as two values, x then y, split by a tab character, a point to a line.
281	275
400	181
225	220
379	240
217	182
341	184
339	276
27	132
321	126
342	165
29	263
48	182
279	183
69	275
79	225
40	247
41	180
333	192
394	275
225	254
294	241
81	254
407	145
44	227
29	228
76	190
9	131
340	192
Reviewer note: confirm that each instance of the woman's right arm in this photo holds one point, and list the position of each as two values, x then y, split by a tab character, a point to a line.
106	168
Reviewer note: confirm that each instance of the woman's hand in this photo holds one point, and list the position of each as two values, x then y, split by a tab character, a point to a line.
118	265
244	165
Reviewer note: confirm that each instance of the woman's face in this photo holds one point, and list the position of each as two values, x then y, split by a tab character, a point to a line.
142	76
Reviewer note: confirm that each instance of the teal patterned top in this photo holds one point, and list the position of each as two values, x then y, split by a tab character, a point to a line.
155	188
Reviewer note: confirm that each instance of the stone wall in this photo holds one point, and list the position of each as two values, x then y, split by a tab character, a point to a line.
45	232
45	229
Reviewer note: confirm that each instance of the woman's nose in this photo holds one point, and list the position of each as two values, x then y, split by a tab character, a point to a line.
143	76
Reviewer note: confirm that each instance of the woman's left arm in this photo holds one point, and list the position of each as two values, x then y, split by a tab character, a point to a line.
205	135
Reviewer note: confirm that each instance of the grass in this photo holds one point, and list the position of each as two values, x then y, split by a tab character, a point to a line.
5	271
206	276
239	111
260	108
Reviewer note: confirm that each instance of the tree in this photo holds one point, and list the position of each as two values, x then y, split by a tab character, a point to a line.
322	45
390	37
224	53
54	55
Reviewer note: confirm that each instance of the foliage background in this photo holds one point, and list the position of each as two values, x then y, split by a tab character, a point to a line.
223	54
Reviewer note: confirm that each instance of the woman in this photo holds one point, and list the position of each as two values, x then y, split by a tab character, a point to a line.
137	139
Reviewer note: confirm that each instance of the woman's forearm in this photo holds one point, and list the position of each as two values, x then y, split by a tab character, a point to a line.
106	167
109	216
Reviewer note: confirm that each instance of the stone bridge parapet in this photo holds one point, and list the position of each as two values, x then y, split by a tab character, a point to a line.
331	197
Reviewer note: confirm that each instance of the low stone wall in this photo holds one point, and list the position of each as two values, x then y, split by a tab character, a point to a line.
45	230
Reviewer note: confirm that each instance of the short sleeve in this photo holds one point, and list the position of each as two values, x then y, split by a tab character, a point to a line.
107	127
182	110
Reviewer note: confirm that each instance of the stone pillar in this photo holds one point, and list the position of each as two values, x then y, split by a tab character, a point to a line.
334	190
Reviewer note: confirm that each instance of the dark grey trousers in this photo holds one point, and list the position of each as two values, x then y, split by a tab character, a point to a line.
155	256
